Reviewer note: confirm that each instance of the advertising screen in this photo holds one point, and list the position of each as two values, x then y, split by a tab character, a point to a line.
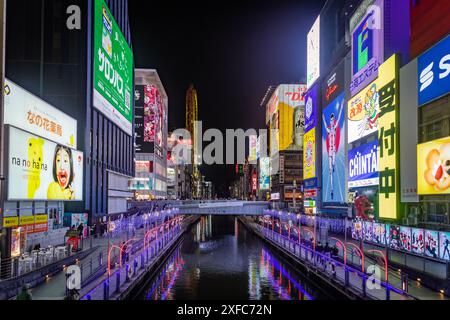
39	169
379	233
394	237
367	38
313	53
357	230
25	111
431	244
309	155
405	238
444	245
368	231
434	72
363	166
264	173
333	152
417	241
113	69
363	113
334	84
433	174
388	136
311	108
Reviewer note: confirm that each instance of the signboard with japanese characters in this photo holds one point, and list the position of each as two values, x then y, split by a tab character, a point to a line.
388	139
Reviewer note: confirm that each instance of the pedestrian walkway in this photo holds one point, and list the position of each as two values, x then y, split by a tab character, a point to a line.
54	288
415	289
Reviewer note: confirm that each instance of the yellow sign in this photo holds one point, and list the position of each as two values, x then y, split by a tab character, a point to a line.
286	126
26	221
11	222
388	101
309	154
41	219
433	172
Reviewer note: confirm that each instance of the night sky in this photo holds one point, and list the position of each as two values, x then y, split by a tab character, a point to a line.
232	51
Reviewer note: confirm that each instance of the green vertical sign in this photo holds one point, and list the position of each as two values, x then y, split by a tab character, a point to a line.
113	69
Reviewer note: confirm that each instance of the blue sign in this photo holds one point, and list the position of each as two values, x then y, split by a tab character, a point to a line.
311	108
333	152
363	166
310	183
434	72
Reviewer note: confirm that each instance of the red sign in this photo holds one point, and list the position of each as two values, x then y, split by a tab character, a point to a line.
311	193
254	182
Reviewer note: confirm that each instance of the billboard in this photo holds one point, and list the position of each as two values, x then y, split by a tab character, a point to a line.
434	72
25	111
113	69
444	245
334	84
313	53
39	169
311	108
363	166
264	173
309	155
433	172
367	38
253	140
389	186
417	241
431	243
379	233
150	117
364	113
333	152
405	239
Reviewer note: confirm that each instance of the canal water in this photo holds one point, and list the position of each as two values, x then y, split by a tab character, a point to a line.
219	259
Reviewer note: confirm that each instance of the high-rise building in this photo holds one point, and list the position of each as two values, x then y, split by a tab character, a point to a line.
56	55
151	120
191	126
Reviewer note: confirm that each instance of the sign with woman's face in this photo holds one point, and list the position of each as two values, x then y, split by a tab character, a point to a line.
39	169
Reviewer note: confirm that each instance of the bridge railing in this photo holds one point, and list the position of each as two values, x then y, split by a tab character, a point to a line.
363	284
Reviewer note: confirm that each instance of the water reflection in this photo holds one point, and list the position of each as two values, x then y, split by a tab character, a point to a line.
219	259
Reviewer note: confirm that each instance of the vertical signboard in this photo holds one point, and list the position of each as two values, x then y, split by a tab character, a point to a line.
311	108
264	173
333	152
113	69
388	139
252	157
313	53
309	155
367	37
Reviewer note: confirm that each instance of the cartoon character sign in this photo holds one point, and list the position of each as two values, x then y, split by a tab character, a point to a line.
431	244
333	152
434	167
405	238
417	241
357	230
444	241
395	241
379	233
368	231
